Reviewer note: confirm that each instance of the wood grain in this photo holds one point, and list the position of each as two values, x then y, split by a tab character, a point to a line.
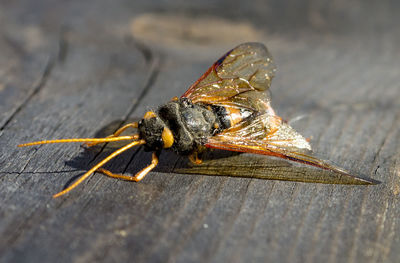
78	69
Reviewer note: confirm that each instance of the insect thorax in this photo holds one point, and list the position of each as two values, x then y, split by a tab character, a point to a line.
191	125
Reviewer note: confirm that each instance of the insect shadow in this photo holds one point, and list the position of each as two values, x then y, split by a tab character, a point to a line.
215	163
132	160
168	163
89	156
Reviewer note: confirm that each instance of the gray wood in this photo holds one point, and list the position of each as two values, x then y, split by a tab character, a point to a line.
80	69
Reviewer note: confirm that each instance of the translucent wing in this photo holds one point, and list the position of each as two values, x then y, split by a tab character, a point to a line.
267	135
263	132
240	78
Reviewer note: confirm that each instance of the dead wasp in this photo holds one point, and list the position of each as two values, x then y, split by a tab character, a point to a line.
228	108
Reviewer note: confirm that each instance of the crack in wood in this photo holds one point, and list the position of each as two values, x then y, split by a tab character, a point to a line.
154	71
63	45
46	172
41	83
15	46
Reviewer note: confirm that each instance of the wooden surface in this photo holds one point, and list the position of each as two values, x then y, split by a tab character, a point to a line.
75	68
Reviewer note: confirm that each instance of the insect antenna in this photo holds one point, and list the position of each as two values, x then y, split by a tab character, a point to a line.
134	137
94	140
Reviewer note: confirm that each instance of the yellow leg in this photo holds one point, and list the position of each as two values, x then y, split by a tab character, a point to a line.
97	166
139	176
194	158
115	134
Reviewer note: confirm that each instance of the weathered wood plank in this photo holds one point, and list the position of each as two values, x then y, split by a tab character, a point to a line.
336	68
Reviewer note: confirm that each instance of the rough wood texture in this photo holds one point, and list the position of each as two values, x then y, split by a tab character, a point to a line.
73	68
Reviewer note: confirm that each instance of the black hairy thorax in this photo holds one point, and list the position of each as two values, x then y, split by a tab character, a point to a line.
191	124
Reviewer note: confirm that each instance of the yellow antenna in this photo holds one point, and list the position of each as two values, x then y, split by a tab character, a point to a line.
95	140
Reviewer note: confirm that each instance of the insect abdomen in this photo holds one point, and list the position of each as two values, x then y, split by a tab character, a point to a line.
230	116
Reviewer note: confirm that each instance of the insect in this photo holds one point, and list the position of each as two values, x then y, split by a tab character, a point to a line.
227	108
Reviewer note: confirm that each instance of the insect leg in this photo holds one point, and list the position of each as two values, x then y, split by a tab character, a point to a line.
194	158
139	176
115	134
97	166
